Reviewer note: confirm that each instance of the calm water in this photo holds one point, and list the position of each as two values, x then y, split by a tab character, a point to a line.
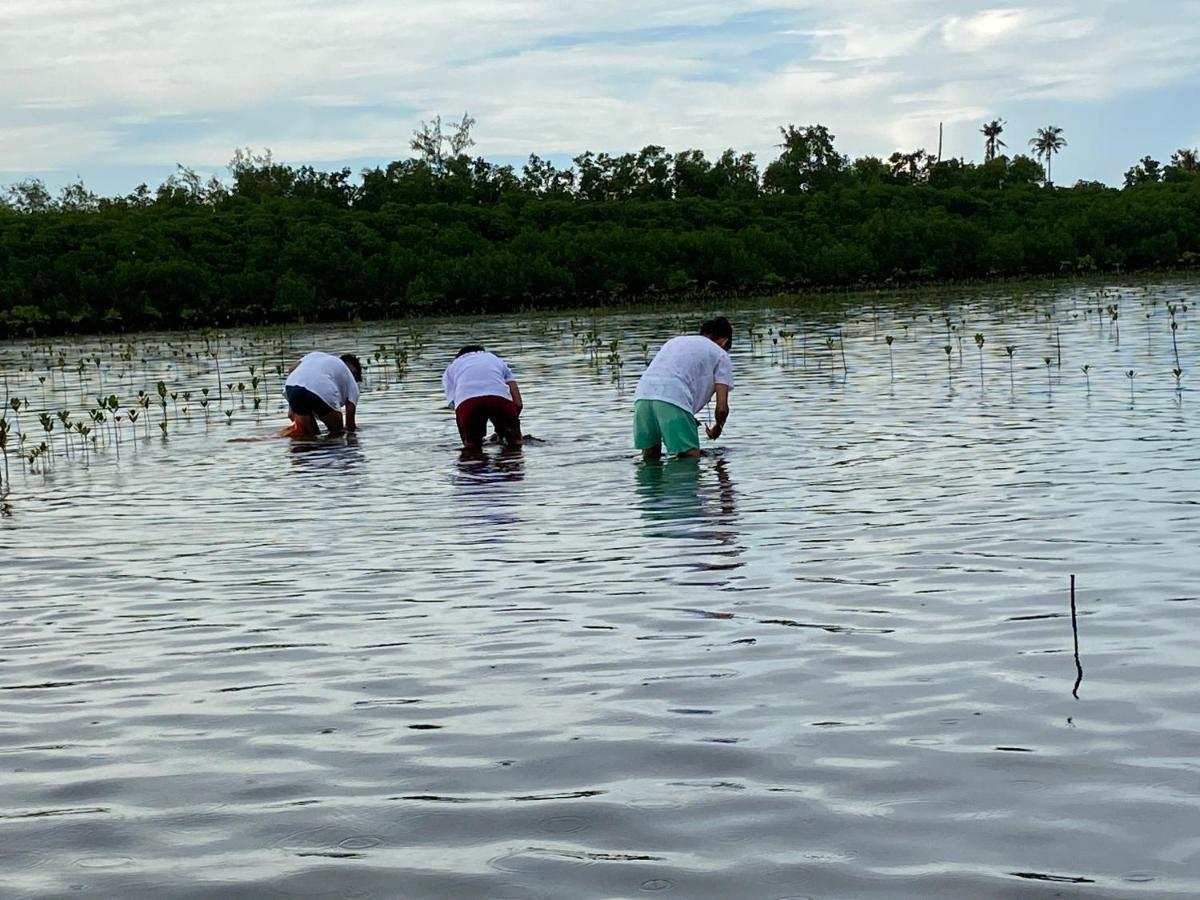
831	659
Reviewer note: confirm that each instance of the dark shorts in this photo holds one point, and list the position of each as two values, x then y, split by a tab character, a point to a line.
305	403
474	414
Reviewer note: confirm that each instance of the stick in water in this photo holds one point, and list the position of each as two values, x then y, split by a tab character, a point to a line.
1075	632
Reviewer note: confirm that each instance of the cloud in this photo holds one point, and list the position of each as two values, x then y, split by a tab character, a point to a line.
106	82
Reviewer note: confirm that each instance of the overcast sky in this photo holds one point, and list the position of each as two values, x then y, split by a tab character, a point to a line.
119	91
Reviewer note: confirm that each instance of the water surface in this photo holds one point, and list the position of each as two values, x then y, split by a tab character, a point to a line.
831	659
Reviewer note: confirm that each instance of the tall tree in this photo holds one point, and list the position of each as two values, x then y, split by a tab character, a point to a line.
1184	164
1147	171
992	131
1047	142
436	146
808	160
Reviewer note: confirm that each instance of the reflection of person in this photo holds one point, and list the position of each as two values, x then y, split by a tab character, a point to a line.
319	386
480	387
689	498
678	383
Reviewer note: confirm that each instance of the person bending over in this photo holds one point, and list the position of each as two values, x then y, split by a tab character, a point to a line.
480	387
318	387
678	383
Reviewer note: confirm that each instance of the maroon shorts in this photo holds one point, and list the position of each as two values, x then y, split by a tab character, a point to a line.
474	414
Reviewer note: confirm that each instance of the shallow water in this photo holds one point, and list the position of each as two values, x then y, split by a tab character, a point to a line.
832	659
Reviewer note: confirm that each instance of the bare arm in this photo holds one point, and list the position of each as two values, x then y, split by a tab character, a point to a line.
722	412
516	395
351	409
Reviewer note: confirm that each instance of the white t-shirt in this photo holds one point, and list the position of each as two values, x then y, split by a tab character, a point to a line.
685	372
326	376
478	374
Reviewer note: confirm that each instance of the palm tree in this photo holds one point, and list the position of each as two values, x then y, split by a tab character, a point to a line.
1046	143
992	131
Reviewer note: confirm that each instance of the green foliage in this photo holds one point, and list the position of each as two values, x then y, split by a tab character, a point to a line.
444	232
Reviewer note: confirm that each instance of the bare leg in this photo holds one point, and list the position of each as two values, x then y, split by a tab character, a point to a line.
694	453
333	421
652	454
303	426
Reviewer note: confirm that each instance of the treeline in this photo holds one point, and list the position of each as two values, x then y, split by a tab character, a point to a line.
444	232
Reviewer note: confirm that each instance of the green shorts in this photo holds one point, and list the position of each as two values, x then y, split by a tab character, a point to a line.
657	422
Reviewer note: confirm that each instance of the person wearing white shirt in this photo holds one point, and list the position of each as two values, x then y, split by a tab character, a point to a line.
481	388
683	376
320	386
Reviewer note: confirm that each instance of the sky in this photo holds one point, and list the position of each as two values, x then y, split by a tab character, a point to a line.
118	92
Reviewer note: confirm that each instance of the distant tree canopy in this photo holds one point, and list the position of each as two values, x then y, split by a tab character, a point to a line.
443	231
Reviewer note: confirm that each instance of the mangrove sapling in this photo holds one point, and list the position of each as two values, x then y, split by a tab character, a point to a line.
83	431
1174	328
162	399
887	338
979	344
4	431
47	426
64	416
15	405
144	403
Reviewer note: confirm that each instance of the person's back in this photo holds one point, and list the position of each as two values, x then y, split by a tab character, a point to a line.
685	373
327	376
477	373
319	386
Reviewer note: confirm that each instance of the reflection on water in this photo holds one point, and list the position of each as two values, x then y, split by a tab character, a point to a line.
340	453
475	467
687	498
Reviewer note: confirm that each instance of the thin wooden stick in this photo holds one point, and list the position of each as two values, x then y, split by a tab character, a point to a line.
1075	632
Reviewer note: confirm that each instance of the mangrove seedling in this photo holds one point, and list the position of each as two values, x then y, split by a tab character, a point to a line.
4	431
64	416
1087	377
887	339
1130	373
1174	328
949	367
979	344
1048	360
1010	349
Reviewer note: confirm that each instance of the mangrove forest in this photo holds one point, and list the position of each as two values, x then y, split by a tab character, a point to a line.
443	232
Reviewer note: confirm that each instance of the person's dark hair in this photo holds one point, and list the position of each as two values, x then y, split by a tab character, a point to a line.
470	348
718	328
353	365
